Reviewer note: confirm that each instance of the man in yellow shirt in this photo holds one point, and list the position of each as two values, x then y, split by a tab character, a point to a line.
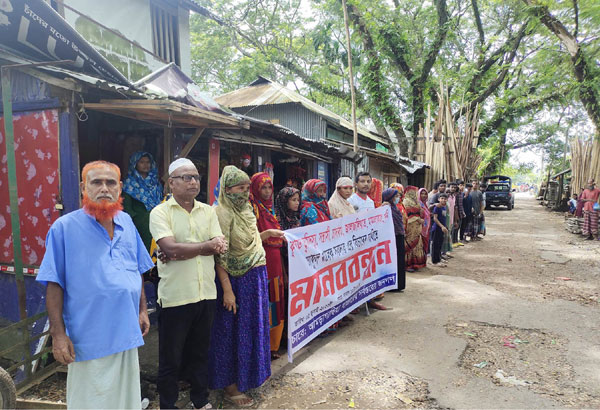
189	234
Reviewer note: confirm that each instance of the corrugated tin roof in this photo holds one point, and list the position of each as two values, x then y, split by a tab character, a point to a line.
63	73
410	165
265	92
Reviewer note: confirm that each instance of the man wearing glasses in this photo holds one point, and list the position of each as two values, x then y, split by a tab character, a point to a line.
189	234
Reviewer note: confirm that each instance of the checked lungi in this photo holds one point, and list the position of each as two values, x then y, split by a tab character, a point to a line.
590	223
475	226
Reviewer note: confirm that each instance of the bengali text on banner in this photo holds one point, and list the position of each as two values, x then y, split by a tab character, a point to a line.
334	267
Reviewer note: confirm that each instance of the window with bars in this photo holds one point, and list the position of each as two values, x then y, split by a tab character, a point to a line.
165	32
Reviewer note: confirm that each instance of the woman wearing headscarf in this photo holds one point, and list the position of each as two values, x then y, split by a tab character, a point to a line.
216	193
423	196
392	196
142	191
261	197
338	203
376	192
239	357
416	258
314	207
287	205
400	188
339	207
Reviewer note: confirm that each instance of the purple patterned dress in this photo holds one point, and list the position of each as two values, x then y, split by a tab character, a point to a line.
240	349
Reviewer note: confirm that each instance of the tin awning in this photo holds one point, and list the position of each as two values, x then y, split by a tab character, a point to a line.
242	138
168	113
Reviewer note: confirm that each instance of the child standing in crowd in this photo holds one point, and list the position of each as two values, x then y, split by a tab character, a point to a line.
439	230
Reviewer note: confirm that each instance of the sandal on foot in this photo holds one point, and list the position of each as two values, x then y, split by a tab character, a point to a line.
239	399
376	305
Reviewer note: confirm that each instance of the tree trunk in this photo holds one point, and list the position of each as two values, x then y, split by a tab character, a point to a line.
584	71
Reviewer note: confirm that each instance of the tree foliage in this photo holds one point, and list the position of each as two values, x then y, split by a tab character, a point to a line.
502	55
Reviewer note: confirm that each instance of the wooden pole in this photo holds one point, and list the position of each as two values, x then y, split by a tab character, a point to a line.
351	75
12	191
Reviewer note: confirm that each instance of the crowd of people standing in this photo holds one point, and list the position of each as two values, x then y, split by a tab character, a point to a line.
222	269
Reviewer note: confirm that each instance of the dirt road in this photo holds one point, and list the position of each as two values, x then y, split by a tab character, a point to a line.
497	328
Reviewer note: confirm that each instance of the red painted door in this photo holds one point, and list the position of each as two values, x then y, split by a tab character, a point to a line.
38	181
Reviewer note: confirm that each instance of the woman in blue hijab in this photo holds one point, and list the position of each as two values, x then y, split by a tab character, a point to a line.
142	191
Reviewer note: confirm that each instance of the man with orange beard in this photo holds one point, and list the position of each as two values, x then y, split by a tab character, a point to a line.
93	269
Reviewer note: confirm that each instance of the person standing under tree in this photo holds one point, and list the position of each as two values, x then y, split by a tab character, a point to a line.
477	207
438	230
590	216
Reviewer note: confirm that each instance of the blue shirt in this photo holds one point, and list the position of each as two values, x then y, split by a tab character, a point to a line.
468	205
440	211
100	280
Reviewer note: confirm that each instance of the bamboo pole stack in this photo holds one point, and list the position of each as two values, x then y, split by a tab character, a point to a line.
585	162
450	148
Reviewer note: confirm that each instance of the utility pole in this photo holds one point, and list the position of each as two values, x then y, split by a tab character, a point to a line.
351	75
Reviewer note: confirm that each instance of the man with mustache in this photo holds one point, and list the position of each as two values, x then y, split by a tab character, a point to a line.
93	269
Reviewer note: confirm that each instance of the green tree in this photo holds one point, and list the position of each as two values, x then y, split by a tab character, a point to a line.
490	53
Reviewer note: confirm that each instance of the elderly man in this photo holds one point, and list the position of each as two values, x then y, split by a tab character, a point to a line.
590	216
189	234
93	269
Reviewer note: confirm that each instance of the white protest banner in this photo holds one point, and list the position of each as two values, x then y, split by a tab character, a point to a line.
336	266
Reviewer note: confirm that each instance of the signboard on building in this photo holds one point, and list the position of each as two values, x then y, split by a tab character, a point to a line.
35	31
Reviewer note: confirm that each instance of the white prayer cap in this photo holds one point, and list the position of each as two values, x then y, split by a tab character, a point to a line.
178	163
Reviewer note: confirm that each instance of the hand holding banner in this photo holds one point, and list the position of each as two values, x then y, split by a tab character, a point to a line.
334	267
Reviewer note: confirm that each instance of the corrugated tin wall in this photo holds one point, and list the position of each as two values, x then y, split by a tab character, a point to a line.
26	88
375	169
291	115
364	165
347	168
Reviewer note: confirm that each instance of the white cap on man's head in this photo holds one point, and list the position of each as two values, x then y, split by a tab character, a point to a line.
178	163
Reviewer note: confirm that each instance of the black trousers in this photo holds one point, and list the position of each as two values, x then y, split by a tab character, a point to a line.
183	342
400	252
437	241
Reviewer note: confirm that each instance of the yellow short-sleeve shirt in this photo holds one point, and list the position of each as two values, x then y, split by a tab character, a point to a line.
191	280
